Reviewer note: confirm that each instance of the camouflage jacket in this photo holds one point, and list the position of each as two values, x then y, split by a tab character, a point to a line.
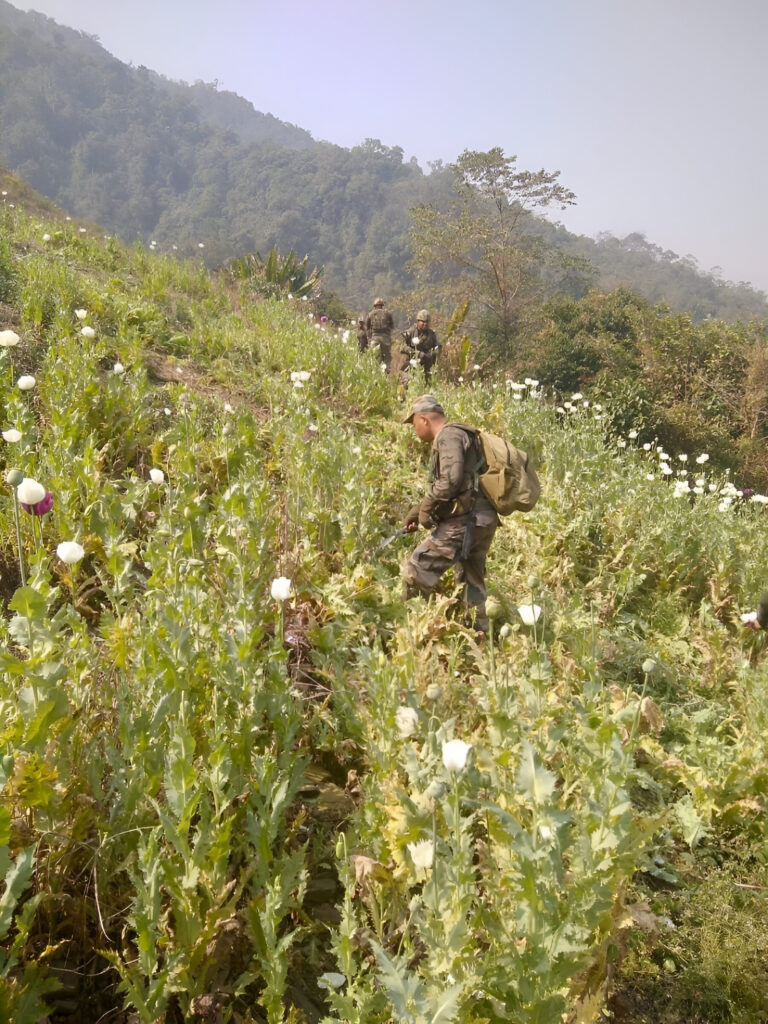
379	322
453	487
423	343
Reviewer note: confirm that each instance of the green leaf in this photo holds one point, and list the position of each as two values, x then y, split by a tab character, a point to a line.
16	881
693	826
28	603
447	1005
402	987
533	779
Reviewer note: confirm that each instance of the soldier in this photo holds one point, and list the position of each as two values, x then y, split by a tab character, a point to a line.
419	341
379	328
362	333
461	518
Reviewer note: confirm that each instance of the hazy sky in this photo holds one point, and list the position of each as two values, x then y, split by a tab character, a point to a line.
654	111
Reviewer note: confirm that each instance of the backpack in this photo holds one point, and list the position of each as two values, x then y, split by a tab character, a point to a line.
509	481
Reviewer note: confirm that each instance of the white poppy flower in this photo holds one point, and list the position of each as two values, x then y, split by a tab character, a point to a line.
632	434
701	459
406	720
69	551
81	314
30	491
157	476
455	754
529	613
281	588
422	853
46	237
8	339
26	383
301	375
749	617
576	397
11	435
87	332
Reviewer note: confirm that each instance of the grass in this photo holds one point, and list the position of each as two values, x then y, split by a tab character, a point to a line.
206	802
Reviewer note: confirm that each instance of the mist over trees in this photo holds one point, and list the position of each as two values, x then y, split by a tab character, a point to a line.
149	158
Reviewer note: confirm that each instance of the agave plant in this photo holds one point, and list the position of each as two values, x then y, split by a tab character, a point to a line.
273	275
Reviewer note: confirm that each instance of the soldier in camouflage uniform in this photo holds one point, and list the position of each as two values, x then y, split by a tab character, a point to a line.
379	328
362	333
462	520
418	342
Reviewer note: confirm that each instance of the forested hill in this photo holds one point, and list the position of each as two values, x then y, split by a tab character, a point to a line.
149	158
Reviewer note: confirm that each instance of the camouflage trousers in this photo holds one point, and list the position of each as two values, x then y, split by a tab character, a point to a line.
384	344
427	563
401	364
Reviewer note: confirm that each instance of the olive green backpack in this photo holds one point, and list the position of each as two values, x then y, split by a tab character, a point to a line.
509	481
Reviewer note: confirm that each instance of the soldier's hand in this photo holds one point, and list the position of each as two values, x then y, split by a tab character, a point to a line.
425	519
411	521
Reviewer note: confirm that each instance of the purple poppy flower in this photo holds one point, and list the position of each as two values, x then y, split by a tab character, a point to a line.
323	319
41	507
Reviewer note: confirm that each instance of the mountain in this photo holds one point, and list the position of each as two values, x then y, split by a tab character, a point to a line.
153	159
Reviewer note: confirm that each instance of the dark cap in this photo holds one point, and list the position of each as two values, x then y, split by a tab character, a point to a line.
424	404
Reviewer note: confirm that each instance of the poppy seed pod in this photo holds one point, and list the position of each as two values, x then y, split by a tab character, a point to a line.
14	477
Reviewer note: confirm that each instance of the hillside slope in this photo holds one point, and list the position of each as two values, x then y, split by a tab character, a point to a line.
217	800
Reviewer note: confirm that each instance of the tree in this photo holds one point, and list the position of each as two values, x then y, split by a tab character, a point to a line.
486	246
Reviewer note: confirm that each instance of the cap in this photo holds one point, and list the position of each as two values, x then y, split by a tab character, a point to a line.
423	314
424	404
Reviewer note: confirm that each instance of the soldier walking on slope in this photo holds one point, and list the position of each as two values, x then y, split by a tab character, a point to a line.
462	520
362	333
379	329
419	342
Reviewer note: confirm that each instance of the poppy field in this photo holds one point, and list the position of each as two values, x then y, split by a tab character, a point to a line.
242	780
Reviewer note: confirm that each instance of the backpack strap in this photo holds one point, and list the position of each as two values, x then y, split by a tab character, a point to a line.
481	466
